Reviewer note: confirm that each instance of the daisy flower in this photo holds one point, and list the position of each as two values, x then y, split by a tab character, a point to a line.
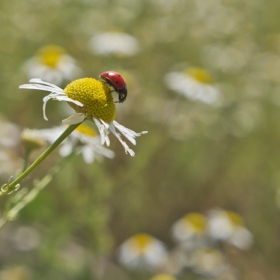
208	262
10	160
230	227
91	99
83	138
142	251
116	43
191	230
52	64
195	84
9	135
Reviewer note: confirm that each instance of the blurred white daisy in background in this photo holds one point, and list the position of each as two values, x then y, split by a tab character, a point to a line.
52	64
230	227
208	262
142	251
195	84
82	140
10	132
92	100
115	43
175	261
10	159
25	238
10	162
192	230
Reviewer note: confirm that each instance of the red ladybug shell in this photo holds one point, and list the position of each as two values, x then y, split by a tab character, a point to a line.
114	79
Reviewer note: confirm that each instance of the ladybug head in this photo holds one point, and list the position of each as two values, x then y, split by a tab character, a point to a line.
122	95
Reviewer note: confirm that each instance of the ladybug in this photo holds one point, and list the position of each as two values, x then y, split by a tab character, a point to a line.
116	81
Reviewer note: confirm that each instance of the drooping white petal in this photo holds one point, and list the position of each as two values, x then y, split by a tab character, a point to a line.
126	148
45	100
128	133
74	119
103	130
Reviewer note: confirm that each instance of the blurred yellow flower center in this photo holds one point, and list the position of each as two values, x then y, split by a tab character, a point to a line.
50	55
198	221
82	128
200	75
141	242
235	218
163	277
95	96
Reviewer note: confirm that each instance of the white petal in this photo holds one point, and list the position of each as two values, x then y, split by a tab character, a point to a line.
128	133
88	154
65	98
103	130
74	119
45	100
126	148
66	148
39	81
42	87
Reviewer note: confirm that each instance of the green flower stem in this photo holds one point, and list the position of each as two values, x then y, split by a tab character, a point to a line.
26	197
13	185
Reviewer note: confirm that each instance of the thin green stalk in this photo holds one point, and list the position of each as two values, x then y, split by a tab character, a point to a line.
14	185
12	212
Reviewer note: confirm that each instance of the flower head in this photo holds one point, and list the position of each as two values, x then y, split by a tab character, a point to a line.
208	262
91	99
115	42
142	251
83	140
195	84
52	64
230	227
191	229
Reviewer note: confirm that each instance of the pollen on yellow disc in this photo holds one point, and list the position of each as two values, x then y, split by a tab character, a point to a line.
200	75
141	242
95	96
163	277
197	220
50	55
85	129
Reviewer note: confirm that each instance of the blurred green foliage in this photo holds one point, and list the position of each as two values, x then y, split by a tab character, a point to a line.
226	156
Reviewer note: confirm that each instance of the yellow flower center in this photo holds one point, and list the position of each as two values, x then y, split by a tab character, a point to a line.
95	96
235	218
200	75
163	277
50	55
198	222
141	242
85	129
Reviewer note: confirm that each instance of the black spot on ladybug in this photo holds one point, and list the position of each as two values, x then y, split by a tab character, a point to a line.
117	82
119	75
